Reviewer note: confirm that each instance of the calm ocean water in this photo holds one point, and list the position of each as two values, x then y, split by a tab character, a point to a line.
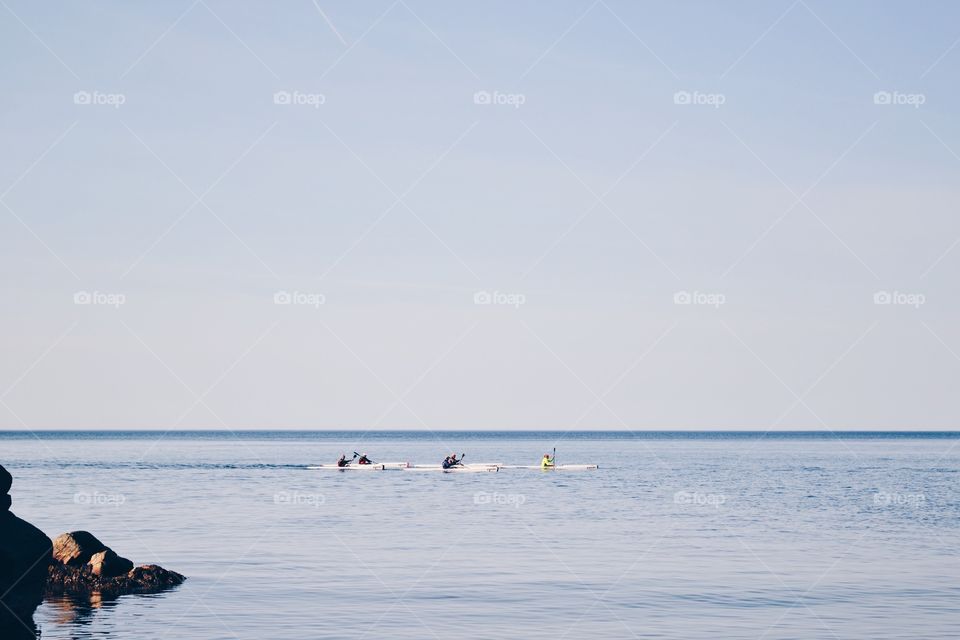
675	536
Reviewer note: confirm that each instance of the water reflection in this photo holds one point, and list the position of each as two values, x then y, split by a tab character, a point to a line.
77	616
78	610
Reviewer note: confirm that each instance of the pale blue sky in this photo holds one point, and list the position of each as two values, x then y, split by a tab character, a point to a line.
398	198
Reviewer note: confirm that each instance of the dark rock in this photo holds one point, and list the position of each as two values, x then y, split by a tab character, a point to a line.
76	548
68	580
6	480
24	555
154	577
108	564
84	566
76	564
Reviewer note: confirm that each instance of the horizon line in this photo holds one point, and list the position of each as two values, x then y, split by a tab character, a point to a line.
480	430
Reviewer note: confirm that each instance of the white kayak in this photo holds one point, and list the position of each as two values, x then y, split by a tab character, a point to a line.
558	467
464	465
379	466
457	469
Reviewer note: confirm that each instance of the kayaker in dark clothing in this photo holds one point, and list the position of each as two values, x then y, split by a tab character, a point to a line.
451	461
343	462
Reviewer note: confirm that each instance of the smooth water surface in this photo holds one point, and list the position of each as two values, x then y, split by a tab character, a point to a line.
673	537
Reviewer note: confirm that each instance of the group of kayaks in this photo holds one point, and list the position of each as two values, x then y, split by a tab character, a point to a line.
450	464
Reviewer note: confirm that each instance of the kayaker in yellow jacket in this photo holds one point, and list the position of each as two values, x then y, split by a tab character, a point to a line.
547	461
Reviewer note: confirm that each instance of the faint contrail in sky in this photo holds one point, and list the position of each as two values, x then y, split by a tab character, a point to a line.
329	24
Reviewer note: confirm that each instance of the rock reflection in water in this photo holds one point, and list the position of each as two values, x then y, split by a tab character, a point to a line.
79	610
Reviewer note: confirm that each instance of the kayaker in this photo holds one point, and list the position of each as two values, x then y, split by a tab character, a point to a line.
450	461
547	461
343	462
364	460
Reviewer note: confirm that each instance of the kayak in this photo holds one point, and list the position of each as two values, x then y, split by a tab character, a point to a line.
349	467
558	467
379	466
469	465
457	469
473	467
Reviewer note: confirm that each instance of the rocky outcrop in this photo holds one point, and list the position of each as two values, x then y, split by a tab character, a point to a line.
25	553
6	481
108	564
76	548
84	565
148	578
75	564
83	550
